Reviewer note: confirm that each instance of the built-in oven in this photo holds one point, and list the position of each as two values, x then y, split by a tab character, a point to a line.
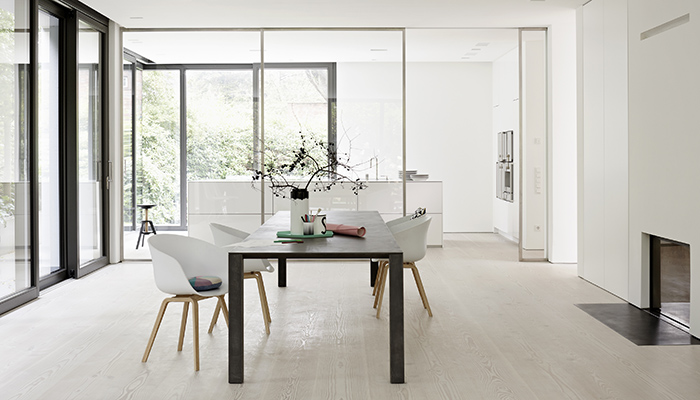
504	166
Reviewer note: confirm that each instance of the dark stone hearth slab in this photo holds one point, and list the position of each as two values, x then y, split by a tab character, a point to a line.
638	326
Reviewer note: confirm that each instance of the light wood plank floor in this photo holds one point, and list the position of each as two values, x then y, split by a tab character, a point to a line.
501	330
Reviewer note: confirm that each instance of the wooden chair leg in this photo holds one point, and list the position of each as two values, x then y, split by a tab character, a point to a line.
380	294
214	317
224	309
378	284
152	339
263	301
183	324
195	335
421	289
264	296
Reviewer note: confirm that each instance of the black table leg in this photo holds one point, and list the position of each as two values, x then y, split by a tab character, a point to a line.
235	309
373	268
396	332
282	272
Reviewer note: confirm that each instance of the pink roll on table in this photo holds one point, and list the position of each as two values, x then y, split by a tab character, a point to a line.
349	230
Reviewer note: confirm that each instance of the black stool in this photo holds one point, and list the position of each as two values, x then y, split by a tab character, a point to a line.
144	226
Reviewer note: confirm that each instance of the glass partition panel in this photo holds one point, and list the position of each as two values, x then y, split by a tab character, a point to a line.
89	143
48	115
356	107
15	273
462	87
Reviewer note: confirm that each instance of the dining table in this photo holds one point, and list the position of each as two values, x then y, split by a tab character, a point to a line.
377	243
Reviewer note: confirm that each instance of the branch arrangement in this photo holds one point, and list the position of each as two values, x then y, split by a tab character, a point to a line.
317	161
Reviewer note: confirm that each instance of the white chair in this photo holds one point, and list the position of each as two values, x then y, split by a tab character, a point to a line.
226	236
420	212
412	237
176	259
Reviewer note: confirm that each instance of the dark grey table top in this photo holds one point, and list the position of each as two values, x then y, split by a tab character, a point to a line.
378	241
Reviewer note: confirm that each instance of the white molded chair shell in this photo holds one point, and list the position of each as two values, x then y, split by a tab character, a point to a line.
225	236
412	237
177	258
391	224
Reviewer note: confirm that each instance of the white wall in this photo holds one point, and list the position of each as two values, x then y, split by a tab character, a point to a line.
663	141
506	117
562	146
449	135
603	260
662	163
533	145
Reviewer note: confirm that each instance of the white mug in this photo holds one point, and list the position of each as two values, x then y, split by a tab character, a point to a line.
320	224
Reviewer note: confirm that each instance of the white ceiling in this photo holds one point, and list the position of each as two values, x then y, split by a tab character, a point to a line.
331	13
442	44
422	45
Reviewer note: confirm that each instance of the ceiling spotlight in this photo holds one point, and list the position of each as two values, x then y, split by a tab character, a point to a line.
378	49
135	17
482	44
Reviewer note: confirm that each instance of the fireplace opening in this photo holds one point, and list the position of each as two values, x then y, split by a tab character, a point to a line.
670	281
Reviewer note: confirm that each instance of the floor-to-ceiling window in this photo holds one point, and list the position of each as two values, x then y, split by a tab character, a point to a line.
220	133
15	263
49	123
52	169
157	150
90	156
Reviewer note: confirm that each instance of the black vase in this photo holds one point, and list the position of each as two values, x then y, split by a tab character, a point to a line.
299	206
299	194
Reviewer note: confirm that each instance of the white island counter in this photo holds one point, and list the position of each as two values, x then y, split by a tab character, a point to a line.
238	203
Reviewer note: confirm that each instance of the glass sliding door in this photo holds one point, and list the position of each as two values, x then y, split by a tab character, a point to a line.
49	236
158	147
127	140
15	262
90	160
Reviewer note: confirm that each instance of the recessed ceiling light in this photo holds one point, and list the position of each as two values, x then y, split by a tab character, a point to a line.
476	48
135	17
378	49
469	54
466	58
482	44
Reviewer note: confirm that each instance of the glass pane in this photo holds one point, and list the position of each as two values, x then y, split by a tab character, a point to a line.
89	144
158	146
219	124
364	97
128	155
15	273
49	200
296	105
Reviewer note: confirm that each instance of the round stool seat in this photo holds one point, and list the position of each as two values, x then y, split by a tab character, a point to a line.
145	206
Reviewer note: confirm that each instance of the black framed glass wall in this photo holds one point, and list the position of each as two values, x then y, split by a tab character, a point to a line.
42	120
15	216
